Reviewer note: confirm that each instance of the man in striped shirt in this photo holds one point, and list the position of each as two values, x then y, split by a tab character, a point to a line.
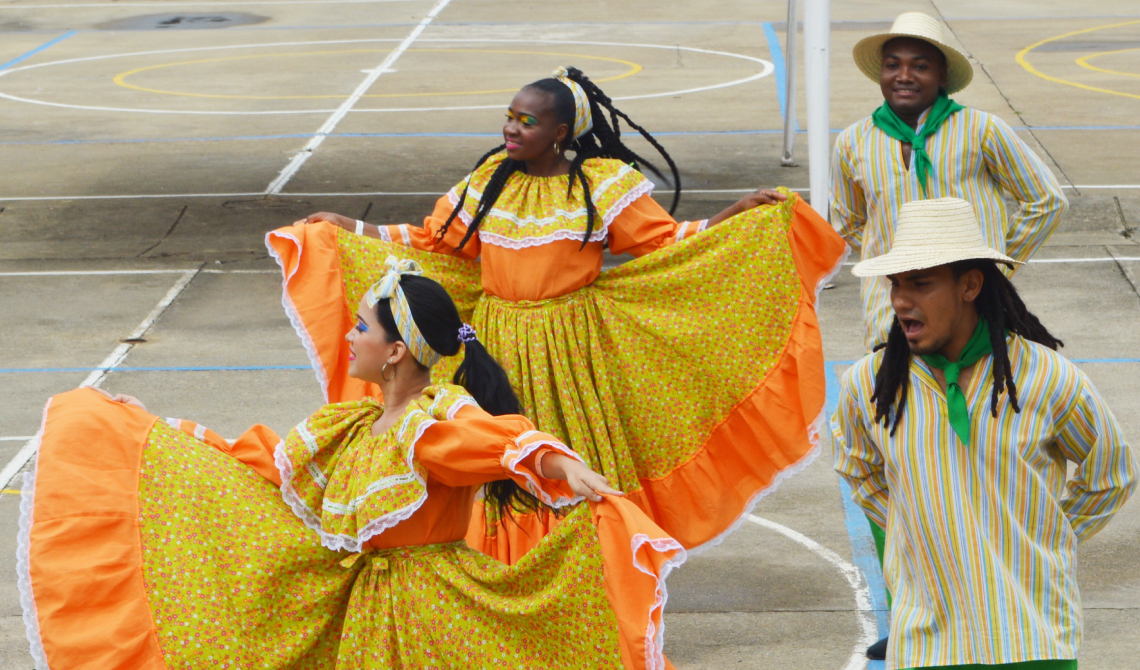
956	439
921	144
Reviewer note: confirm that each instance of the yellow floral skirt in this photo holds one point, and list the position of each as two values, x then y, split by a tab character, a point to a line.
691	377
143	546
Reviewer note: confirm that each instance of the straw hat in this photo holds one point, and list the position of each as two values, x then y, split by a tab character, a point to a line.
932	233
869	51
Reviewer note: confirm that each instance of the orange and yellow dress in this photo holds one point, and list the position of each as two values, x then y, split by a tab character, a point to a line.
691	376
150	544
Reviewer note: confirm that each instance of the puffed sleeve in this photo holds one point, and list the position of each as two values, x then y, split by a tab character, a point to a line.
644	226
428	238
474	448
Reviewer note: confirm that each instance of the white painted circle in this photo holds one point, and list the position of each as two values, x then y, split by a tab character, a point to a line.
765	70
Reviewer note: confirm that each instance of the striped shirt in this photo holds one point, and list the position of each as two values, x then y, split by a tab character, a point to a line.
975	156
980	540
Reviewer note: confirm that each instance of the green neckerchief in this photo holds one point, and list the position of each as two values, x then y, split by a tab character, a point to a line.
978	346
887	121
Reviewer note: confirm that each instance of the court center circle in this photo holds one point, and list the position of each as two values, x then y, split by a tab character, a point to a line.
120	79
765	69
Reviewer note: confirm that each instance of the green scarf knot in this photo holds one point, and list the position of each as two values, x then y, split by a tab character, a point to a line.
887	121
978	346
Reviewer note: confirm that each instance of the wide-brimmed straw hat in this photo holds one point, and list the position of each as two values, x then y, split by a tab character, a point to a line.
932	233
869	51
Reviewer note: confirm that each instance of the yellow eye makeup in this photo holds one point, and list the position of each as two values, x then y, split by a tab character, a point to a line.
525	119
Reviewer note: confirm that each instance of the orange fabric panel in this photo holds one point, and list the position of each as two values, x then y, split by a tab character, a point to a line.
639	556
319	309
513	538
427	238
255	449
644	227
796	385
85	557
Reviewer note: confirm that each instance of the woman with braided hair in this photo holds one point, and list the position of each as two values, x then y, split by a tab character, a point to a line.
691	377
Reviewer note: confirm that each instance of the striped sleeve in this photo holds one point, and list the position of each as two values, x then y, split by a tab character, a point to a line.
1023	175
849	205
858	458
1106	469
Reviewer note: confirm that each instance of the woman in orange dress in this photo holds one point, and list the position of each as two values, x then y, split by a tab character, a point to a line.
156	544
691	377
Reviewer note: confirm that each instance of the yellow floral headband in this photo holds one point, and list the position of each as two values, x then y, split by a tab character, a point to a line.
583	119
389	287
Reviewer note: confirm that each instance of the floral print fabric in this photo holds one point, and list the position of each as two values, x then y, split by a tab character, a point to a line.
235	580
348	485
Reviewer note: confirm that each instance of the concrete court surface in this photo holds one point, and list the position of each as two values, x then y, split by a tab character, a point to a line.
133	156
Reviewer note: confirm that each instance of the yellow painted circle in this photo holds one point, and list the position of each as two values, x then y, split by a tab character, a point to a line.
120	79
1024	62
1083	61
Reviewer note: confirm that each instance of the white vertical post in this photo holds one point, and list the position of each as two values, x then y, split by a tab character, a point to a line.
817	51
789	157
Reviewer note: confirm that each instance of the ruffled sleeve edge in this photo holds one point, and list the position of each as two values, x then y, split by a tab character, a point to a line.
526	444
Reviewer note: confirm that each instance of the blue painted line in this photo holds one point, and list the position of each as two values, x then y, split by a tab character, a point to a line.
862	544
293	136
38	49
161	368
780	66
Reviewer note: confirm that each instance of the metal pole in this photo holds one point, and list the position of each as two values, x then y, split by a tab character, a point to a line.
817	67
789	158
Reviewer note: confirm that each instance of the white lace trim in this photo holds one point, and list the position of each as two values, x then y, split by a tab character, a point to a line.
654	636
612	213
339	541
294	315
830	274
513	457
23	554
384	234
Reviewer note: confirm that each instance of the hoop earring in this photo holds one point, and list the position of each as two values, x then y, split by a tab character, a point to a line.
384	369
557	149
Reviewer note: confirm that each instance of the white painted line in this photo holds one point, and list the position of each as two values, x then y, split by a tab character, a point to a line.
338	194
766	69
330	124
116	357
18	461
869	630
97	376
80	273
18	438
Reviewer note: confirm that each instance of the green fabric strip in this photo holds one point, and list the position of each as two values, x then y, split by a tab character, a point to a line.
886	120
1027	665
978	346
880	537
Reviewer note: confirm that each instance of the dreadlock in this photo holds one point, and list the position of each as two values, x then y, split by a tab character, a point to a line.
1000	305
602	141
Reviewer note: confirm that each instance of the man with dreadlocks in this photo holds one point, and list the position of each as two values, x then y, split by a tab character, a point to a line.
955	437
690	376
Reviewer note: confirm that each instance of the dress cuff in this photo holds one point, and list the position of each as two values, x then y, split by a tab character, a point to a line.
521	461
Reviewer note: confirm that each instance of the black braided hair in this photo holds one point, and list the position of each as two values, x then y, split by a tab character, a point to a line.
1000	305
602	141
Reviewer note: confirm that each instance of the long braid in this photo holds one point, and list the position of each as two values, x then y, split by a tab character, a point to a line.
602	141
1003	309
463	196
892	380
